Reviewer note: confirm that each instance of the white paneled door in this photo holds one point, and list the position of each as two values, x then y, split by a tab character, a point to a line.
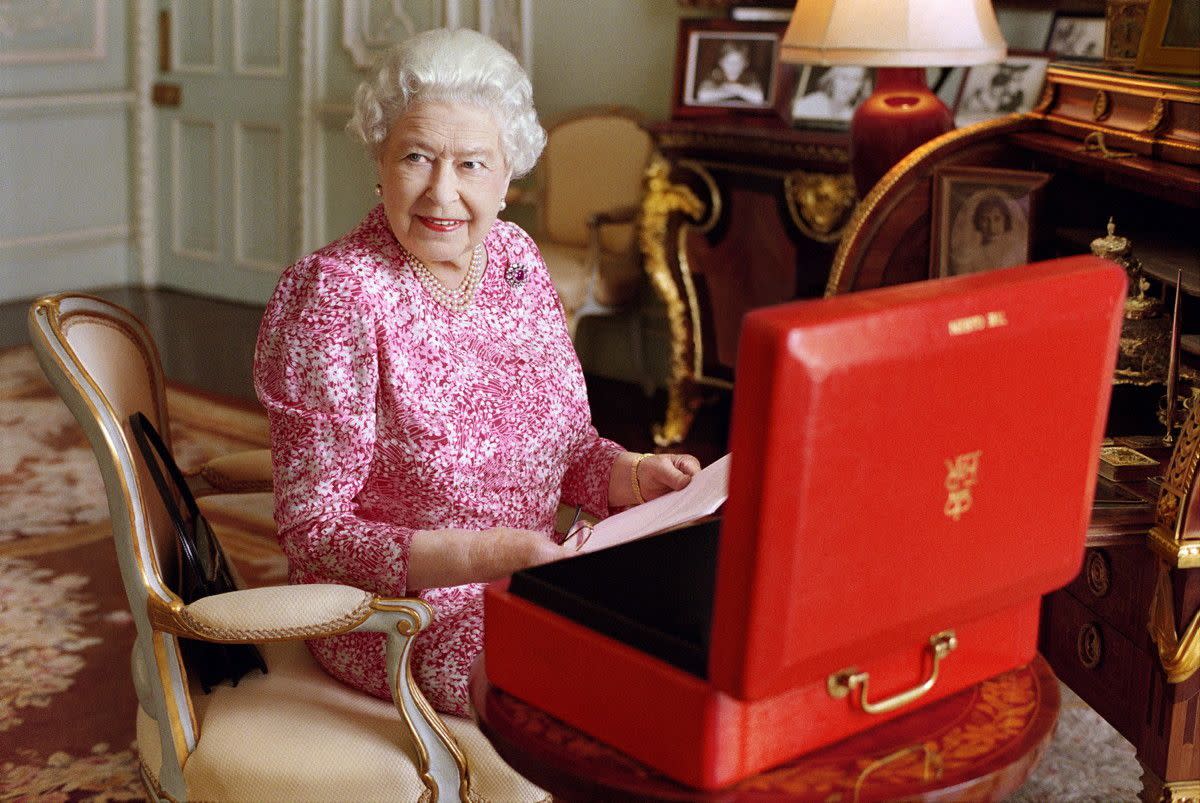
227	117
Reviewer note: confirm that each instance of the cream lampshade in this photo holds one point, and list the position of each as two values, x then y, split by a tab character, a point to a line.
902	38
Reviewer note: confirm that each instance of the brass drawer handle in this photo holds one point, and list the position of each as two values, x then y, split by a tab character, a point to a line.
842	683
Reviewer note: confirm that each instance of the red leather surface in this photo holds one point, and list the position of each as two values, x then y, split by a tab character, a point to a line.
836	547
835	542
688	730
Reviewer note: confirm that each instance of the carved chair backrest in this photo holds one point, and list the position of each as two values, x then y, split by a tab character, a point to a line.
594	161
103	363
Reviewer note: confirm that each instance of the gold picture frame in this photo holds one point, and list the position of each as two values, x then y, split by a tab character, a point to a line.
1171	38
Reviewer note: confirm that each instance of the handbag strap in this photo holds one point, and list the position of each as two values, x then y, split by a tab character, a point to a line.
151	445
155	452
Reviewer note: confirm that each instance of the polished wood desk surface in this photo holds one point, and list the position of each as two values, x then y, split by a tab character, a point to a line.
980	744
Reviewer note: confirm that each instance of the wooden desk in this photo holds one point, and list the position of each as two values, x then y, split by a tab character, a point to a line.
1094	634
980	744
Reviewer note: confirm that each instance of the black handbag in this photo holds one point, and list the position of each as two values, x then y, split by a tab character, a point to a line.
203	570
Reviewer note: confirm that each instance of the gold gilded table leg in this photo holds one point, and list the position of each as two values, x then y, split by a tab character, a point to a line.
663	199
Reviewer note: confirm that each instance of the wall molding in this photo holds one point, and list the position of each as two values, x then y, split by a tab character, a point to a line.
178	64
144	190
177	245
66	103
239	255
93	235
260	71
97	52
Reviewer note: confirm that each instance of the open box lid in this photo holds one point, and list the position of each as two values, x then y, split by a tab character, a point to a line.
906	460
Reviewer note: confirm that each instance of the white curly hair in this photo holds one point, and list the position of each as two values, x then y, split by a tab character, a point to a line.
456	66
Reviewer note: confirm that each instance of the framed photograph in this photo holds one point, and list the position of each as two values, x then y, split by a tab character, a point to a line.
826	97
1077	36
1123	31
1171	38
982	219
727	68
994	90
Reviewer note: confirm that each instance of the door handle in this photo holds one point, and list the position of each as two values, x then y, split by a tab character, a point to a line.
166	95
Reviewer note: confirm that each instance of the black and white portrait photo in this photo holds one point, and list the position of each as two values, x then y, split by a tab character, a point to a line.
983	219
829	95
731	69
993	90
1077	37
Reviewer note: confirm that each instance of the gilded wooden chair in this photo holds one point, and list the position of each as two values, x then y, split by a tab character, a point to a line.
589	186
294	733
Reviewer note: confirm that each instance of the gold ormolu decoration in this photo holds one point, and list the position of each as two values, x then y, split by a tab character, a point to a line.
1098	573
1169	536
840	684
1179	549
1145	334
1089	646
1158	117
1101	105
1094	143
1179	654
820	204
662	199
1179	792
1049	94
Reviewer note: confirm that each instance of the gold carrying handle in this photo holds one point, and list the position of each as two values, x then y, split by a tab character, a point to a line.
842	683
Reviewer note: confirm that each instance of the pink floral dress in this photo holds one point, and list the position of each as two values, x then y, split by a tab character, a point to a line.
389	414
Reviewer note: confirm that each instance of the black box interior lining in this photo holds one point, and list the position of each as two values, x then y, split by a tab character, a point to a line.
654	594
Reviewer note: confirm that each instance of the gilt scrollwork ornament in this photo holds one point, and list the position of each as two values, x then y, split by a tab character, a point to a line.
820	204
663	199
1098	573
1158	118
1089	646
1101	105
1049	92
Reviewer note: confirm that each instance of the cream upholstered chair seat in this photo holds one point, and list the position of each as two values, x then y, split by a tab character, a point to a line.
314	740
294	733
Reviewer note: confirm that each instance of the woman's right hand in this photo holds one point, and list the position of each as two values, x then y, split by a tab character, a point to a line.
452	557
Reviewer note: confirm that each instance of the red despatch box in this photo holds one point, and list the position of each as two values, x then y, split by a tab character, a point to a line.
913	467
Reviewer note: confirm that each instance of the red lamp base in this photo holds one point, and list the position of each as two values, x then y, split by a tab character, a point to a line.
901	115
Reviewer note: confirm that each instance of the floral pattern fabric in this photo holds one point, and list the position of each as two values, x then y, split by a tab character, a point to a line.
390	414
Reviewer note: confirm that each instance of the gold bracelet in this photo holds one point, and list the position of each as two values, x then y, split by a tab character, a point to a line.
637	486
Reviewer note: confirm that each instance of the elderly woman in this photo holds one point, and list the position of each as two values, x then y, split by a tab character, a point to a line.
427	409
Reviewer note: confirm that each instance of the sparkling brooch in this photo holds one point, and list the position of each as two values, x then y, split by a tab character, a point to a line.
516	274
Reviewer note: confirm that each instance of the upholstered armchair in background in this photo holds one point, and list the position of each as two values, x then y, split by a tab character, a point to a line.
588	193
294	733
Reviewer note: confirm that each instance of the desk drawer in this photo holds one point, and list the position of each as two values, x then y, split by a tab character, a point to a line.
1116	583
1092	657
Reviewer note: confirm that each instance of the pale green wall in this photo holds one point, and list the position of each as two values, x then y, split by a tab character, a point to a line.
604	51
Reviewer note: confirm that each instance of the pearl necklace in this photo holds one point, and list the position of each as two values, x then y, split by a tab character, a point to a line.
460	297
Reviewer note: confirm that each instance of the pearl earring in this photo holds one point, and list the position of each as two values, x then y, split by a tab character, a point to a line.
503	205
379	190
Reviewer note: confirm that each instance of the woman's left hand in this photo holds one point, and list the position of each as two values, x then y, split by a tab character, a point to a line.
658	474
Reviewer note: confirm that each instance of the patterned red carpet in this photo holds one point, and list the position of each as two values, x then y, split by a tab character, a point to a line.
66	700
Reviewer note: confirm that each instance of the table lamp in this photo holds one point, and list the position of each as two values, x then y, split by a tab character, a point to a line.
901	38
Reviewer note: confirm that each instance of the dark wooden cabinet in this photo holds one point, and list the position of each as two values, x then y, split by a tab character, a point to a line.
735	218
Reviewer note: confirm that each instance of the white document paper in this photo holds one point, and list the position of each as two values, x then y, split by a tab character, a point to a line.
703	495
